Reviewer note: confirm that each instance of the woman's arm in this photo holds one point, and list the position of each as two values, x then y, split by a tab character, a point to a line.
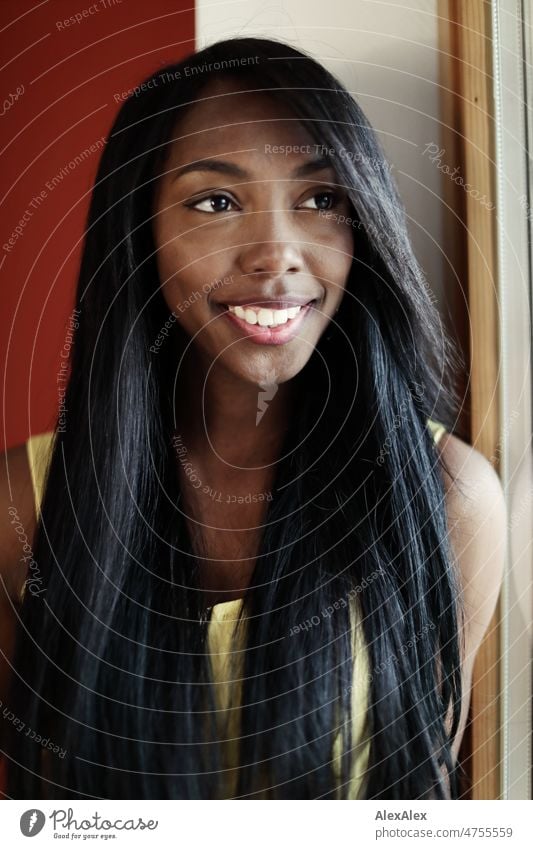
477	520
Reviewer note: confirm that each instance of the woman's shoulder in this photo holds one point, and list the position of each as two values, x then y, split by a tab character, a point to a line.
471	482
477	521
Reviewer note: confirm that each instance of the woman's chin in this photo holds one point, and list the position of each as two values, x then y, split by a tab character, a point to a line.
268	375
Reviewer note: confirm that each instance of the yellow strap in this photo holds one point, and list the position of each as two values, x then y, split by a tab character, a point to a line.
39	450
436	429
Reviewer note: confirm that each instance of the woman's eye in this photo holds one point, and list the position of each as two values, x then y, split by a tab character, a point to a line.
222	203
213	203
324	200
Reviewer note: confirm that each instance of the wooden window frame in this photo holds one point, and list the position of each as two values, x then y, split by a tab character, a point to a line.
465	50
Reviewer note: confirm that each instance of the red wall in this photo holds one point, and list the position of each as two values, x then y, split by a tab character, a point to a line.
65	74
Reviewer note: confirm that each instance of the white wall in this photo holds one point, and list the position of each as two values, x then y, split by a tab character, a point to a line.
386	53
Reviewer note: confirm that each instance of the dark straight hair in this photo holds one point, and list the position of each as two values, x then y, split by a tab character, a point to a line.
111	662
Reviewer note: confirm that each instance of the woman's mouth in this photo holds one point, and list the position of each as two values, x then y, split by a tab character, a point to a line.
265	324
263	316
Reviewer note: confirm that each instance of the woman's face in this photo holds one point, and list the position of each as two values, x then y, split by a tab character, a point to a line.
252	257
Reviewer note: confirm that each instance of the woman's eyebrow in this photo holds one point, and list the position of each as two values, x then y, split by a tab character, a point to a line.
319	163
232	170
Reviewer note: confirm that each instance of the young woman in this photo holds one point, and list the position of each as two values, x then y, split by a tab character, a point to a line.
263	564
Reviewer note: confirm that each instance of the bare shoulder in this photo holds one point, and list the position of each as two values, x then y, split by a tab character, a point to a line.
17	518
477	524
477	521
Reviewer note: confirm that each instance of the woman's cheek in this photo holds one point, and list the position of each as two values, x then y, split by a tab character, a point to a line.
336	249
341	233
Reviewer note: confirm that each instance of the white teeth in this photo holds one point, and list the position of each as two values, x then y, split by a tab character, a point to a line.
264	317
250	316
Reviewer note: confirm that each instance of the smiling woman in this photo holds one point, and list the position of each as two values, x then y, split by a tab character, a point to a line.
288	265
252	321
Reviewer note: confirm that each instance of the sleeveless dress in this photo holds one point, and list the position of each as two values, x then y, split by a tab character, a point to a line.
224	641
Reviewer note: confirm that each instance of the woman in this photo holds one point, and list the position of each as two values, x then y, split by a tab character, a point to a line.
265	563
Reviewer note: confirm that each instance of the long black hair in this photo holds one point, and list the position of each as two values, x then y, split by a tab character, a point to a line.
111	662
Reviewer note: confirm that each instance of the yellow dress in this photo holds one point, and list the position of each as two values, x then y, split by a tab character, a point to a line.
225	639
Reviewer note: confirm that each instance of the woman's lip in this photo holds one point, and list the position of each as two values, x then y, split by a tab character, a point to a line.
278	335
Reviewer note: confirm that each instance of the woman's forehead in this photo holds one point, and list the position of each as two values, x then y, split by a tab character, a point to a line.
224	104
244	122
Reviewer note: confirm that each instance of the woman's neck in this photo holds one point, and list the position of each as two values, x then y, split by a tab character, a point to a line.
229	422
229	448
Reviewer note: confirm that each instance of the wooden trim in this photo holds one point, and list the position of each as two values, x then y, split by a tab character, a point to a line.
455	277
466	30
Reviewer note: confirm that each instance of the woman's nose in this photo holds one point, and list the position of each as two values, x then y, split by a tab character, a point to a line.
269	245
